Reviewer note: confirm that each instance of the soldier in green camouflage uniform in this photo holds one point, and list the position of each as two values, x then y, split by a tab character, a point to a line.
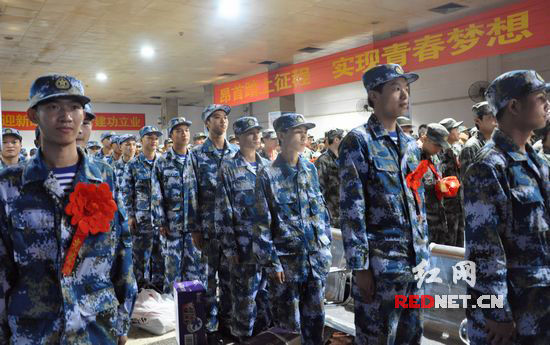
327	168
450	166
485	124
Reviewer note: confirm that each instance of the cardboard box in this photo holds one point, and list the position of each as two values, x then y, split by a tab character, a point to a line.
276	336
190	313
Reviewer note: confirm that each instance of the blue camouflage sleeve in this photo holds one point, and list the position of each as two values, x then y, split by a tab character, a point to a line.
224	213
193	206
487	214
128	190
6	269
263	247
122	273
353	164
198	227
157	196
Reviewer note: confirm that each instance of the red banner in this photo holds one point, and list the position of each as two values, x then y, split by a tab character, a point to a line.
508	29
103	121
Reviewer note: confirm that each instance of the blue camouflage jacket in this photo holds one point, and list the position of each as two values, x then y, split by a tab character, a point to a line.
292	233
136	190
383	227
507	205
35	234
206	160
235	206
101	156
174	194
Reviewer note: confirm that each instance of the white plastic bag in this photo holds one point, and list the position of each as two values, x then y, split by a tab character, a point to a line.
154	312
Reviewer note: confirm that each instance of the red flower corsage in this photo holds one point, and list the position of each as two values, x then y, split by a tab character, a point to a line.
92	209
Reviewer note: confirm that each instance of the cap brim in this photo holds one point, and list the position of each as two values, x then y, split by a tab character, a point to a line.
153	132
410	77
458	124
91	116
307	125
13	134
251	128
83	99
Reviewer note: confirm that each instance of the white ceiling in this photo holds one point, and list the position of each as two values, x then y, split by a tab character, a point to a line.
193	41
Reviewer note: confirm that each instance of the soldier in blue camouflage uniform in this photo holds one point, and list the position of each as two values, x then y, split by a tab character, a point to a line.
38	304
207	159
136	192
292	235
235	220
485	124
383	228
450	166
127	143
11	147
174	208
86	128
93	147
117	151
435	140
106	151
327	167
507	202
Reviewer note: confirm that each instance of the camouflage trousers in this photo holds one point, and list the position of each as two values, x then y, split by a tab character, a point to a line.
250	300
148	259
454	212
531	315
437	223
299	306
218	314
183	261
380	322
99	330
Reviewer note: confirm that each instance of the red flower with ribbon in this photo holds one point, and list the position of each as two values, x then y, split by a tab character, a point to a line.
92	209
445	187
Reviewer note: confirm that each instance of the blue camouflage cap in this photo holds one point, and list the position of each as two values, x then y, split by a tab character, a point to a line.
480	109
212	108
176	121
88	111
107	135
513	85
12	131
383	73
126	137
149	130
115	139
291	120
246	123
56	85
269	134
92	144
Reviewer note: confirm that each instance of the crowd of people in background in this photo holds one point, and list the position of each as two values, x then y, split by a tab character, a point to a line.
251	215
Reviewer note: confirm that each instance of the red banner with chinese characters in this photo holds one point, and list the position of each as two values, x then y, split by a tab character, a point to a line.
504	30
103	121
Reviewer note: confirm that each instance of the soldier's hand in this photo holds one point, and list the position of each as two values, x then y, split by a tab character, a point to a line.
132	224
122	340
279	277
366	284
163	230
198	241
500	333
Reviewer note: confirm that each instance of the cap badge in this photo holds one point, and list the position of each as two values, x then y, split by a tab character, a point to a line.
62	83
539	77
399	70
299	119
251	122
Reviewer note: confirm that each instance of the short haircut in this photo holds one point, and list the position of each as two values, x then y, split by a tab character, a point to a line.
377	88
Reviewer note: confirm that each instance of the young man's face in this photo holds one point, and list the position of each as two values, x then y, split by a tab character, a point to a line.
271	144
394	99
430	147
180	136
251	139
487	123
217	123
59	120
408	130
84	133
116	148
535	110
454	135
129	148
93	150
107	143
198	141
295	139
150	142
11	146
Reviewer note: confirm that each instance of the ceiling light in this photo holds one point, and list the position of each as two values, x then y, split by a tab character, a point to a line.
147	52
228	8
101	76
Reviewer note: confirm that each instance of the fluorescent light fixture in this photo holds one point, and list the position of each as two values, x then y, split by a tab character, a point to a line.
147	52
101	76
228	8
